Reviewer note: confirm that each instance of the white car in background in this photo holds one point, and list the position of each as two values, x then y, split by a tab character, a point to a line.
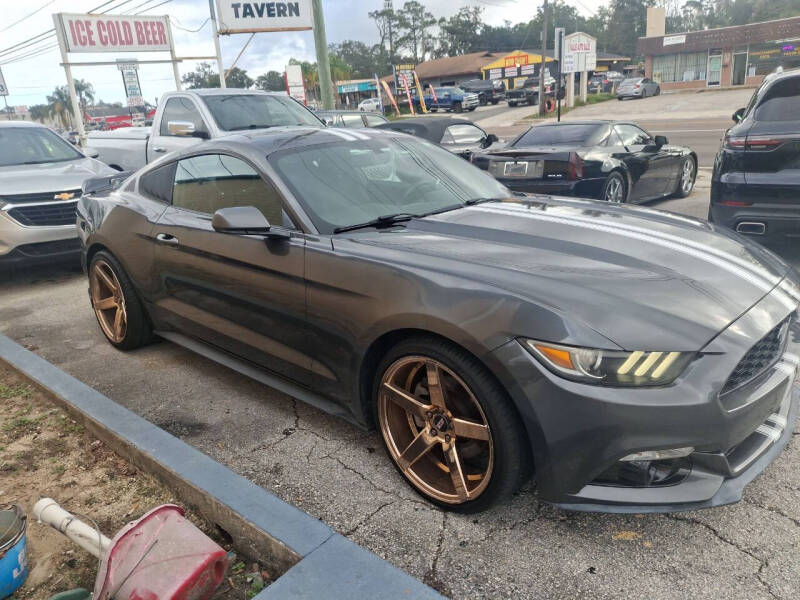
41	175
370	105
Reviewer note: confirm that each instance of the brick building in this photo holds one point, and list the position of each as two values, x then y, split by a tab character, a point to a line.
728	56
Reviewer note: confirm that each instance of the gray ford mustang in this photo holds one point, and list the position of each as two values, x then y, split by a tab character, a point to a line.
630	359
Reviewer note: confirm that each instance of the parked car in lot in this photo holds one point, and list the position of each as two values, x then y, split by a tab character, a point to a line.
351	118
634	360
755	184
615	161
528	92
370	105
451	99
459	136
604	82
186	118
40	182
488	90
638	87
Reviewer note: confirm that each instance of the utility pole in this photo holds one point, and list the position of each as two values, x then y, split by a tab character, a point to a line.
544	57
215	33
387	5
323	62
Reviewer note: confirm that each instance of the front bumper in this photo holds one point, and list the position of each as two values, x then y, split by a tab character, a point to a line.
579	432
22	243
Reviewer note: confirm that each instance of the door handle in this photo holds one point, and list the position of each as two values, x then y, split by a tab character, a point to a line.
169	240
159	149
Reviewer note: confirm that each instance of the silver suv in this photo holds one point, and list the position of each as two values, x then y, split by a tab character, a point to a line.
40	184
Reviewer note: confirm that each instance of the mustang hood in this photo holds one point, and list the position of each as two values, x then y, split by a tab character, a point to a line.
50	177
644	279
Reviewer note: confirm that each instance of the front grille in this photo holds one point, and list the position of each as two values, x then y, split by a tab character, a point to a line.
38	197
49	248
759	358
45	215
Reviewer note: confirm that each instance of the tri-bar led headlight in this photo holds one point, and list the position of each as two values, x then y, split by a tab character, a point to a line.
610	367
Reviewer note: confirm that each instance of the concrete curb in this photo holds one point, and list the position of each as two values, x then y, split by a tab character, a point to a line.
315	560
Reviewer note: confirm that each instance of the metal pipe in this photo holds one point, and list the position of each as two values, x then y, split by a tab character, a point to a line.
48	511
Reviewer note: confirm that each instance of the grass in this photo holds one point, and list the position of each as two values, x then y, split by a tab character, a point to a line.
590	99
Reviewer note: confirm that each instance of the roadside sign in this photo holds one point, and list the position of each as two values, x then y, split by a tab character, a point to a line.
295	86
127	64
114	33
580	53
3	88
255	17
400	71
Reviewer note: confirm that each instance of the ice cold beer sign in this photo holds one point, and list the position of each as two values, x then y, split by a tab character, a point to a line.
114	33
250	17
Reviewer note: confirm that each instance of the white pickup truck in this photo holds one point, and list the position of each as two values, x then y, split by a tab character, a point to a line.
189	117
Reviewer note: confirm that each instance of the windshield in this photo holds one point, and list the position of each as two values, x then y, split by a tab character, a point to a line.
630	81
554	135
236	112
341	184
33	145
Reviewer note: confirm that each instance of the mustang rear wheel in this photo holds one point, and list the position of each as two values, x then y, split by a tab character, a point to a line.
448	427
118	309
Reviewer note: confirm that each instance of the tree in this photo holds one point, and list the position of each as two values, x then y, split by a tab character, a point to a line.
59	106
364	61
272	81
85	92
387	22
415	22
204	77
626	24
461	33
39	112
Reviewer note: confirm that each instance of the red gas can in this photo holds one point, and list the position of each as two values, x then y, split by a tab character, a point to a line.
162	556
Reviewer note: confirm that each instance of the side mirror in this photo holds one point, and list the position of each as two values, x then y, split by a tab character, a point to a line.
246	220
661	140
181	128
738	115
490	139
91	152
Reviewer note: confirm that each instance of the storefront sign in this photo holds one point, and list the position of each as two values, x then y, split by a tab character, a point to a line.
671	40
252	17
516	61
496	74
114	33
295	84
580	53
402	70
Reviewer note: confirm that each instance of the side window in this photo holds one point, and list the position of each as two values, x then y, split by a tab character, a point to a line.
462	134
209	182
632	135
373	120
352	121
181	109
157	184
781	101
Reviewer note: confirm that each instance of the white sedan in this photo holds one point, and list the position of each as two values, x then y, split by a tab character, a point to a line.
370	104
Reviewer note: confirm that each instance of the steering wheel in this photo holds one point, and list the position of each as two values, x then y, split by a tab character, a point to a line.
415	190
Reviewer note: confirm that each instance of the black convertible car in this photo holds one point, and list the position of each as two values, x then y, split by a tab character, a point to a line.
633	360
459	136
608	160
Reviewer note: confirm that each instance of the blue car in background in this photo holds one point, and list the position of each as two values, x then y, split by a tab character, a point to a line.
449	98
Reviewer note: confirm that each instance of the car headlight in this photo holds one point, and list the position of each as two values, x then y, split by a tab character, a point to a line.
610	367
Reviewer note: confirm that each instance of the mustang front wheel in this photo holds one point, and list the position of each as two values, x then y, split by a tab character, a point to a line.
448	427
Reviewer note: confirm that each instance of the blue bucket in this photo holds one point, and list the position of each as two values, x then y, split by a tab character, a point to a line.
13	563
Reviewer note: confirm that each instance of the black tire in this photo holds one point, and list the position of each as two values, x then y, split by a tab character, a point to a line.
472	108
494	102
682	191
658	91
618	178
434	109
512	463
139	331
512	103
457	107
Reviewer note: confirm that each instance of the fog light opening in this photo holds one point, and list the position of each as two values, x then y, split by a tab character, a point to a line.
659	454
646	473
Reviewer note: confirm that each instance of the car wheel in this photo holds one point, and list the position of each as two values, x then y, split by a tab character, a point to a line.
512	104
614	188
448	426
116	305
457	107
658	91
494	102
686	178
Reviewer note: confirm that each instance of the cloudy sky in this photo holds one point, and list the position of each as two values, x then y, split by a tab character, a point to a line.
30	75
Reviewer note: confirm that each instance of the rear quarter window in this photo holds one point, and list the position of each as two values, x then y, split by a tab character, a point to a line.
157	184
781	101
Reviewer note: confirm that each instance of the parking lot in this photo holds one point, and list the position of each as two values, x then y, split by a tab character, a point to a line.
340	474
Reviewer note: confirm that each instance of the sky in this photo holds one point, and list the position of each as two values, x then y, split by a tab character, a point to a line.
30	79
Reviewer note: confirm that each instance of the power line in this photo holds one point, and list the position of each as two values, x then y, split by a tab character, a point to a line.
176	24
152	7
25	44
28	16
130	10
33	54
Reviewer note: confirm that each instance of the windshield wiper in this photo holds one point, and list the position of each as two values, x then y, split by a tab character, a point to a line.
242	127
474	201
381	221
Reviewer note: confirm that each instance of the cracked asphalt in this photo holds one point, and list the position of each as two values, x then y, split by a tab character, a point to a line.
340	474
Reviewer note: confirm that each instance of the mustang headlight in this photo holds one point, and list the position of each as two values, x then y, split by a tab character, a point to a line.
610	367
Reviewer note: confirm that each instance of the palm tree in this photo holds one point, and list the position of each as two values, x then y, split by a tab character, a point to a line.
60	106
39	112
85	92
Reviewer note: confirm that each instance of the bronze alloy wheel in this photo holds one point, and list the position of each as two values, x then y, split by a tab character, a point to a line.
108	301
435	430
